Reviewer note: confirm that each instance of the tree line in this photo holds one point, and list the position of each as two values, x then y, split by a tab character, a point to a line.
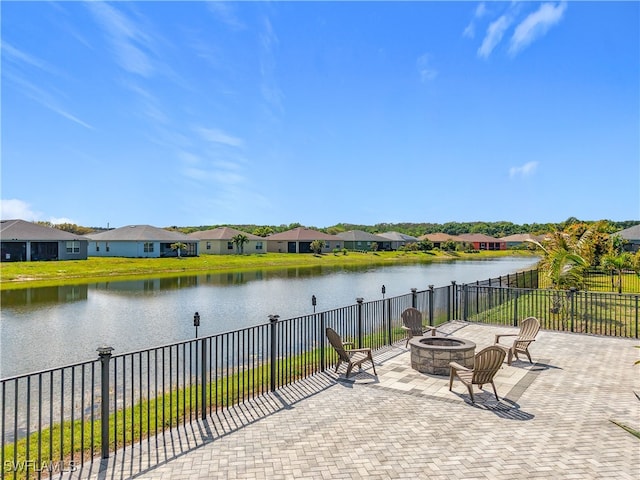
493	229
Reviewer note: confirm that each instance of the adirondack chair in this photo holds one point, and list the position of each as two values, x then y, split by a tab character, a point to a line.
486	364
529	328
412	324
353	357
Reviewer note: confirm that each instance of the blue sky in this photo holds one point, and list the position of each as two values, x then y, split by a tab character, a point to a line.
204	113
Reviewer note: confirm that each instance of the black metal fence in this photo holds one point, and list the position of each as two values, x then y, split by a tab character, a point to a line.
59	419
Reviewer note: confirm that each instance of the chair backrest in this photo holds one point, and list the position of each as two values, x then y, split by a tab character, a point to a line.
336	343
412	319
486	364
529	328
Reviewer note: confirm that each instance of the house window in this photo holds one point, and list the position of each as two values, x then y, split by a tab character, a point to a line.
73	246
258	245
337	245
106	247
97	247
148	247
328	245
208	245
229	245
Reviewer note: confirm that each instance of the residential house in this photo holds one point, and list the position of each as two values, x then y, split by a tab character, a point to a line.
438	239
299	240
479	241
219	241
519	239
140	241
397	240
359	240
632	237
22	241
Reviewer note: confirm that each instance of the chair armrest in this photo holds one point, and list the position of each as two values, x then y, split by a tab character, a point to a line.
353	350
457	366
427	328
504	335
405	328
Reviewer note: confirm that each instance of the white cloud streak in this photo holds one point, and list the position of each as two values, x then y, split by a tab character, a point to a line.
128	41
494	35
525	170
214	135
536	25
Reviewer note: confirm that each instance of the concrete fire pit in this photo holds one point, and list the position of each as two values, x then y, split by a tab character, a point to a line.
432	354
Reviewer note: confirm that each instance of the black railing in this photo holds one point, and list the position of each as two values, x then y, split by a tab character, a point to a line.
61	418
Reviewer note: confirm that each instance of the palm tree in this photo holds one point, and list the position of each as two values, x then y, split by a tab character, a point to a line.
317	246
618	263
239	240
562	259
178	246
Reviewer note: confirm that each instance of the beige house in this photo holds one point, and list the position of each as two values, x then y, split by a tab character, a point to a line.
299	240
219	241
439	239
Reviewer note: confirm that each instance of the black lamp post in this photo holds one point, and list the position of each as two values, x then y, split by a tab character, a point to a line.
313	302
384	290
196	322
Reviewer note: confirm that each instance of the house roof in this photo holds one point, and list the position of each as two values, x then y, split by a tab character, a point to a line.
438	237
631	233
361	236
477	237
302	234
398	237
520	237
140	233
222	233
23	230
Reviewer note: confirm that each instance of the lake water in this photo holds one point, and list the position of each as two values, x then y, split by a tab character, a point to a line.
48	327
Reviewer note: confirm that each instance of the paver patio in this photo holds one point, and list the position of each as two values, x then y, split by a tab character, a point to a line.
554	420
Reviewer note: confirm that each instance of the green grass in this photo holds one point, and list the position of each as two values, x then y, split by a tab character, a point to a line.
66	272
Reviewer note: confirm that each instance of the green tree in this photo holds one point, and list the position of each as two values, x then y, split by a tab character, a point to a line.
239	241
618	263
562	259
317	246
263	231
178	247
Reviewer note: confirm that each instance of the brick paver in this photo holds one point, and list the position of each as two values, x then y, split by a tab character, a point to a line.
554	420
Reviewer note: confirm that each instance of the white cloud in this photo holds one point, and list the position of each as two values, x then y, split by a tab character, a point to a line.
424	68
525	170
14	209
470	30
128	41
494	35
536	25
224	11
218	136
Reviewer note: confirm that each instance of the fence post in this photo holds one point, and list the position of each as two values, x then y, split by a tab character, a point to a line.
414	298
105	357
274	321
465	301
359	300
431	305
636	316
203	377
572	297
454	301
322	334
387	306
515	309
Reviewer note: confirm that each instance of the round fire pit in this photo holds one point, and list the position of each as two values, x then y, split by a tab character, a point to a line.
433	354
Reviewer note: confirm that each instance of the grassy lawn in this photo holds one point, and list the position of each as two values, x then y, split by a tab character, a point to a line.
41	274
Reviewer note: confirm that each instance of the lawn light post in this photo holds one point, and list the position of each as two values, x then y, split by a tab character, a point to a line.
384	290
196	322
313	302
